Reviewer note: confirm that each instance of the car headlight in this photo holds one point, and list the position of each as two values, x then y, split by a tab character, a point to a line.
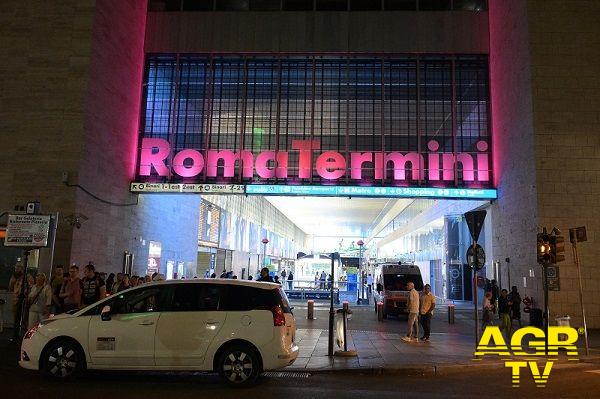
31	331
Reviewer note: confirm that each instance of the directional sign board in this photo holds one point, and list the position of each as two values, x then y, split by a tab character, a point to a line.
553	278
475	222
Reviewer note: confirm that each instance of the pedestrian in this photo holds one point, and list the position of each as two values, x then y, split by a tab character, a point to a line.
515	310
214	275
148	279
134	281
223	275
329	281
234	277
93	288
250	277
39	300
290	280
14	287
495	290
125	284
110	281
117	283
322	280
55	284
264	275
488	311
276	280
413	313
71	289
283	275
504	306
427	305
370	283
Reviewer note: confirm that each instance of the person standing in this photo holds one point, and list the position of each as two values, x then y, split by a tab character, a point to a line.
55	284
109	283
115	287
515	310
70	291
370	283
264	275
488	311
14	287
427	306
39	300
495	293
322	280
283	275
125	284
413	313
504	306
93	288
290	280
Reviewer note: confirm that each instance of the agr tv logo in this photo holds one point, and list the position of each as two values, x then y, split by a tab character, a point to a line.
492	342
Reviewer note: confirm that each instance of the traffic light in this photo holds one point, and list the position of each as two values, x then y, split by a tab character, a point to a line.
557	248
544	255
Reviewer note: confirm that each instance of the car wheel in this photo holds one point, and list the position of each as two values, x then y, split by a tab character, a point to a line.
239	365
63	359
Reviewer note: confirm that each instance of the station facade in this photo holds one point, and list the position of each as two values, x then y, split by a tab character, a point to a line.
468	104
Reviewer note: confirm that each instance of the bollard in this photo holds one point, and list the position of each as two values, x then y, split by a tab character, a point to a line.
346	306
450	313
311	309
379	311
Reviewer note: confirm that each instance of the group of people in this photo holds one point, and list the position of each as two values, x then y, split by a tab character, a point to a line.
263	276
65	291
420	310
506	305
323	280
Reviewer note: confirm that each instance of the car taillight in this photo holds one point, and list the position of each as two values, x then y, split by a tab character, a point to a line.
31	331
278	316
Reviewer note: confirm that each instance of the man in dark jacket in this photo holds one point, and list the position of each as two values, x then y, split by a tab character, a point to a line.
264	275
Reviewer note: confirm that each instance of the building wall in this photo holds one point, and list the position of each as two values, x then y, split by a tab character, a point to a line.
565	66
110	131
514	214
45	51
405	31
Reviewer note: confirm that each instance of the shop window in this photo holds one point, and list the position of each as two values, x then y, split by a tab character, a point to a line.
400	5
297	5
232	5
332	5
198	5
435	5
469	5
365	5
265	5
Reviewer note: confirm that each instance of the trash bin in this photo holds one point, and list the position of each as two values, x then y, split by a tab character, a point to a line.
451	313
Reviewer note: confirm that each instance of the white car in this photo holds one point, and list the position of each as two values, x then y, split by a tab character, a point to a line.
236	328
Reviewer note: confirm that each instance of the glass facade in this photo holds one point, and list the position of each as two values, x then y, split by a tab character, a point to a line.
349	103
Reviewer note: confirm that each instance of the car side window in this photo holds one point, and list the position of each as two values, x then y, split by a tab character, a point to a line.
196	297
143	300
243	298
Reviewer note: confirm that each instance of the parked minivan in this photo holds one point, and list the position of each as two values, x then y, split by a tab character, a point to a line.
391	279
236	328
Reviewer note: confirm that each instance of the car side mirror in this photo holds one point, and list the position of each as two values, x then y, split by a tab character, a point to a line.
105	314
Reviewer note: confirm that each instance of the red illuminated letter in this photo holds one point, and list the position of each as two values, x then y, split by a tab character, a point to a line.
306	148
150	159
331	165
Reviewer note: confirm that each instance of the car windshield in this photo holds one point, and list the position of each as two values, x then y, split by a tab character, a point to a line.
397	282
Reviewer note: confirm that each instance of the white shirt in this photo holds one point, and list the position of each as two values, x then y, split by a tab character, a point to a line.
369	280
413	301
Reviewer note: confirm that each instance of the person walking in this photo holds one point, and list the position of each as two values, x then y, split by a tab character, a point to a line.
70	291
39	300
515	310
426	311
264	275
322	280
504	306
93	288
413	314
290	280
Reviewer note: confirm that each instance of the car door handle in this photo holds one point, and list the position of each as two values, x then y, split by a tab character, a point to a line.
146	323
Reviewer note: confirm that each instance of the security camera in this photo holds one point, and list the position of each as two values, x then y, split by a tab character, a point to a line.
76	219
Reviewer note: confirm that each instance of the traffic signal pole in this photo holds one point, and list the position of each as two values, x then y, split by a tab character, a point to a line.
576	258
476	311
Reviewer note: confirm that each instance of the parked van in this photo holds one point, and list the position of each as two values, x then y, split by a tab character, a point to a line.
391	280
236	328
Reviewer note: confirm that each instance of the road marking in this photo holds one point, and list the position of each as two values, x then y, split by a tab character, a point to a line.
593	371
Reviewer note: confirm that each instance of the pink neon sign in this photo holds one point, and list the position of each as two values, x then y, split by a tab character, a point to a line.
433	166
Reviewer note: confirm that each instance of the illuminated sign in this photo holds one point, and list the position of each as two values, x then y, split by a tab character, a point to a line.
366	191
492	343
158	161
324	191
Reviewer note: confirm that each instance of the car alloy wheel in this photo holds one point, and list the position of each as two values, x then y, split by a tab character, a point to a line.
63	360
239	365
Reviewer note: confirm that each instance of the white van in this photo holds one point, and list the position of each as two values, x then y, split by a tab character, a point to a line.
391	280
236	328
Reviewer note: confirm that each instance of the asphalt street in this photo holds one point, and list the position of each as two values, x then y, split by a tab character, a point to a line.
578	381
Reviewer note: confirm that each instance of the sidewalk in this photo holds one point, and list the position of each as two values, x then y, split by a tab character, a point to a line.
380	347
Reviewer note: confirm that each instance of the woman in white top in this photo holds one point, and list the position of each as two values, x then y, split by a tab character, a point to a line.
39	300
488	310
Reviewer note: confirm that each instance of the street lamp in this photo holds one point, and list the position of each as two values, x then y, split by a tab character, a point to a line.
360	293
265	241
